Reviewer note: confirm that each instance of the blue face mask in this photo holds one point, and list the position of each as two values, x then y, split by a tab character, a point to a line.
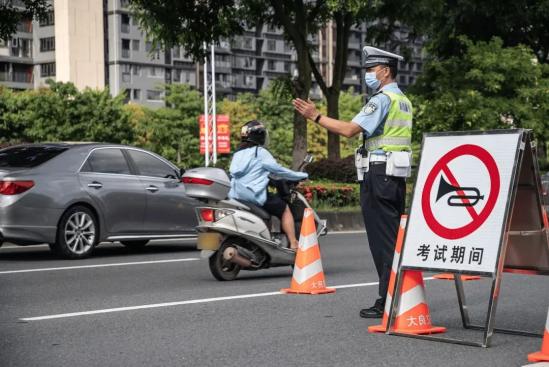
371	81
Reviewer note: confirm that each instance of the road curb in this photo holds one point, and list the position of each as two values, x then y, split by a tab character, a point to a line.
343	221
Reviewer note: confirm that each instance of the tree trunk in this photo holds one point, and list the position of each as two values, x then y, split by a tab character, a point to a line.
302	86
334	150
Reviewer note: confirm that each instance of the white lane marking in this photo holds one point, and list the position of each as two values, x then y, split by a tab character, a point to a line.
171	304
98	266
160	241
358	231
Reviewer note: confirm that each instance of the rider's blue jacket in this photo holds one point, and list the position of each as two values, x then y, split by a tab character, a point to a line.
250	169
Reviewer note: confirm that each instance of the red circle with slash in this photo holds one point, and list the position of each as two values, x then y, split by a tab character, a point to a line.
442	166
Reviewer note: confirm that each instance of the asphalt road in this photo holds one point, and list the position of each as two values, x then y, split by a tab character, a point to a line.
161	307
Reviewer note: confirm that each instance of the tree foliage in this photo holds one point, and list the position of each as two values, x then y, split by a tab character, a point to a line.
11	14
489	87
62	113
444	22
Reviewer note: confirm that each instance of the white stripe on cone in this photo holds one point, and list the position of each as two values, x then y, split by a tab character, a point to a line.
411	299
302	275
306	242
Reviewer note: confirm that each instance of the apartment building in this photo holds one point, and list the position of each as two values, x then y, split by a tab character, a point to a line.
98	43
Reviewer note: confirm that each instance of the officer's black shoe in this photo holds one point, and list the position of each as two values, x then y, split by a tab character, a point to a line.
374	312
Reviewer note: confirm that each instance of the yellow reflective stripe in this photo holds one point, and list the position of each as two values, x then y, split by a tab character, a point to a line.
399	123
381	141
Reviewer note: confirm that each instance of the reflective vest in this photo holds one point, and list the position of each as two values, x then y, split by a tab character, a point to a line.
397	131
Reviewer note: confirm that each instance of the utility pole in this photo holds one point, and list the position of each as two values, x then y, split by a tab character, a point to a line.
210	118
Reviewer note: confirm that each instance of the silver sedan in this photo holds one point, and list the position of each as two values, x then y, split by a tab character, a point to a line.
74	196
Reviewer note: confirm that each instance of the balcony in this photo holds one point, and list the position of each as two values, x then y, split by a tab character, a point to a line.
223	64
16	77
24	26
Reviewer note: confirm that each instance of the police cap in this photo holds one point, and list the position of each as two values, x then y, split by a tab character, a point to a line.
375	56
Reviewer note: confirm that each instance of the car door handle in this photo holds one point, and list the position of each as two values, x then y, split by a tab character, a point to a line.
152	188
95	185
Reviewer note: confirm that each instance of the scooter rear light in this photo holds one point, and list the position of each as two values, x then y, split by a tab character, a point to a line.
207	214
222	213
15	187
196	181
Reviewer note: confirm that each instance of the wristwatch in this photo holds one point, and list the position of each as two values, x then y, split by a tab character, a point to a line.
317	119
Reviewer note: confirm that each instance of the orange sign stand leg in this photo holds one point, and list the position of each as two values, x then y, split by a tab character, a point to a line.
450	276
308	276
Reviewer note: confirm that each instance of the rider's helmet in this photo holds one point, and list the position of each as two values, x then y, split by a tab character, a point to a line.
254	132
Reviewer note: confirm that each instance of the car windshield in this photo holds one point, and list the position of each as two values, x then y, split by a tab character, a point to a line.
28	157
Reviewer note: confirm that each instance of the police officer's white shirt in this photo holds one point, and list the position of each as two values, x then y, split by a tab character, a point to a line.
372	115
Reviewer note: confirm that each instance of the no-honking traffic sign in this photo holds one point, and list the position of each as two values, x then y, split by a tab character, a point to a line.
459	204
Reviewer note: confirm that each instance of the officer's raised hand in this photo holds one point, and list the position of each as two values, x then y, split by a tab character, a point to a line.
306	108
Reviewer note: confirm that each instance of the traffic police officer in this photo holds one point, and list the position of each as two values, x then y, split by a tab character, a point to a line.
383	160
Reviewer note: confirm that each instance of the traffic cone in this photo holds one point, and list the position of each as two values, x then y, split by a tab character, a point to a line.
392	279
543	354
413	316
308	276
450	276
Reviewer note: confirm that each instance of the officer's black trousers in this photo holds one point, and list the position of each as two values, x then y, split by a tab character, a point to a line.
382	199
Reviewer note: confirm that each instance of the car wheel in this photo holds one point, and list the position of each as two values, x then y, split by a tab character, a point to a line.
77	233
135	244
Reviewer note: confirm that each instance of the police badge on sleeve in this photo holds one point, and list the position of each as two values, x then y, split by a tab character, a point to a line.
369	108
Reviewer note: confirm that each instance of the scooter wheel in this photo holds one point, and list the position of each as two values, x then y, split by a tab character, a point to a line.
222	269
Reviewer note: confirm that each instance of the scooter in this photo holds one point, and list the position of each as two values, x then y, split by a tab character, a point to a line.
238	235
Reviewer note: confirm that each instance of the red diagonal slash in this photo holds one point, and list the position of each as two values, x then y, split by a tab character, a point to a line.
453	182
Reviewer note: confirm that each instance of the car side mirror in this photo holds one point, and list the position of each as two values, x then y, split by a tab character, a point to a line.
181	172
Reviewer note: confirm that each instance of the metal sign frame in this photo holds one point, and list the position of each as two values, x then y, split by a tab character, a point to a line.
524	142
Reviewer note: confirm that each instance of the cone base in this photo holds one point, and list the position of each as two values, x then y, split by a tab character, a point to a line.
431	330
538	357
377	328
449	276
312	291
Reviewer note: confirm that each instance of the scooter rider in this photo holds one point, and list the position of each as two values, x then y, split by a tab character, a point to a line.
250	168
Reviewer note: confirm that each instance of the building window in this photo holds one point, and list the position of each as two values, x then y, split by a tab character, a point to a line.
248	43
271	65
136	70
271	45
125	23
154	95
137	94
156	72
135	45
47	20
287	67
148	46
249	80
47	44
124	3
125	48
126	73
47	69
402	79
